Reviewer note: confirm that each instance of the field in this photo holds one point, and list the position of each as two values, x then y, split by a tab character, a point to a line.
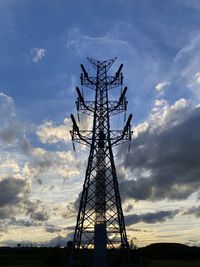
155	263
174	263
155	255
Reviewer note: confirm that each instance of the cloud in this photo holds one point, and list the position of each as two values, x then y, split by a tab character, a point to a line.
37	54
195	211
57	162
53	229
164	159
6	212
186	65
152	217
51	134
58	241
22	222
6	103
79	43
161	85
40	216
197	76
11	190
12	131
20	163
189	4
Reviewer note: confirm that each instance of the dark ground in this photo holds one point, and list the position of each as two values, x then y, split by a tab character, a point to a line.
155	255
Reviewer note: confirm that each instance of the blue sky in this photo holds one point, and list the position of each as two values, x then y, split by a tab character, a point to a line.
42	44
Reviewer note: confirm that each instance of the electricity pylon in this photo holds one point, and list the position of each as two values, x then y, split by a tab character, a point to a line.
100	222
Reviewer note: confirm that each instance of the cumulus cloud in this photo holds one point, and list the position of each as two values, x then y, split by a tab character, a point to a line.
161	85
11	190
53	229
151	217
40	216
197	77
195	211
12	131
6	212
37	54
22	222
50	133
164	157
20	163
59	162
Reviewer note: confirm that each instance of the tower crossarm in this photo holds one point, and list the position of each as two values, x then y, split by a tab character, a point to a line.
80	136
117	80
122	136
117	137
87	81
111	81
116	107
87	107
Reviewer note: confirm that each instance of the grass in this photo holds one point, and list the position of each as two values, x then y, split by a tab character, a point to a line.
152	263
174	263
56	257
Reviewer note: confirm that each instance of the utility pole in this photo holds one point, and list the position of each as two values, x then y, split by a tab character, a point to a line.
100	223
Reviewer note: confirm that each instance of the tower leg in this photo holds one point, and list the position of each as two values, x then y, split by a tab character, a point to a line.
100	250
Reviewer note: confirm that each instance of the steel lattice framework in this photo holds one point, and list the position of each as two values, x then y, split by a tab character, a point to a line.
100	222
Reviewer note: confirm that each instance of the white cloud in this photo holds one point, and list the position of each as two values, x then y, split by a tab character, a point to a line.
162	114
37	54
56	162
50	133
161	85
187	66
140	128
80	44
197	76
6	104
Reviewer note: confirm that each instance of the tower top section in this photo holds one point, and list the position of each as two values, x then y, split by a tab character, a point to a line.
105	64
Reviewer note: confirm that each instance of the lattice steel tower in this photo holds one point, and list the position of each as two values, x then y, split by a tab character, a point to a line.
100	222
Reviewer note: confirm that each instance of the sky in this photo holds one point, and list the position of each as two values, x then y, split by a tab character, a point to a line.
42	44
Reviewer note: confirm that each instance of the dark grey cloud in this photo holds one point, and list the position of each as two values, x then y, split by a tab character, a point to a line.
151	217
52	228
22	222
71	209
10	190
138	230
164	159
31	206
195	211
6	212
128	208
39	216
36	210
15	199
8	134
70	228
25	146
